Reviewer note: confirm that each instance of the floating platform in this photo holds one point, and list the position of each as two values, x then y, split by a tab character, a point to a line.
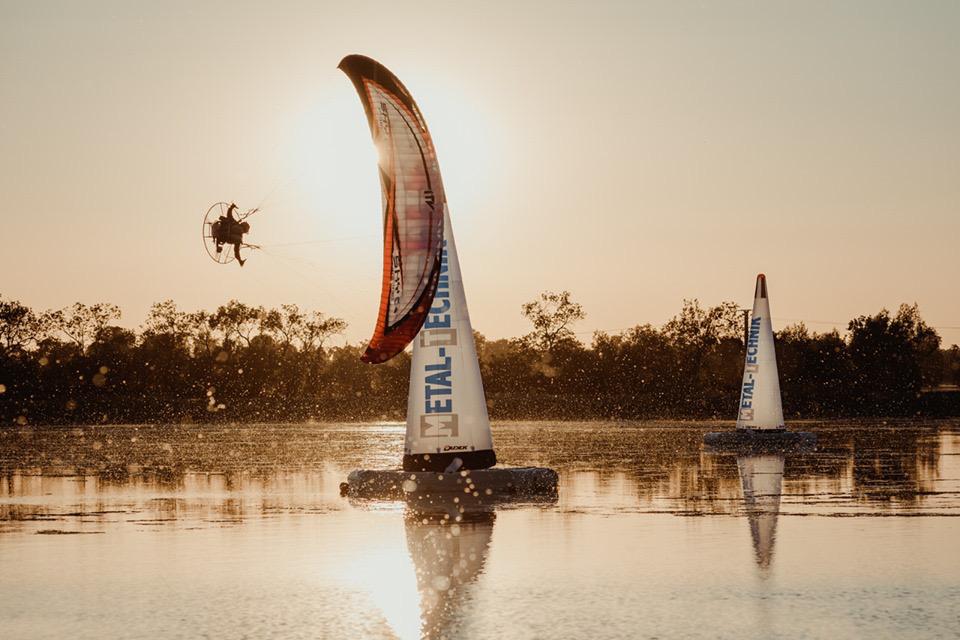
493	484
760	440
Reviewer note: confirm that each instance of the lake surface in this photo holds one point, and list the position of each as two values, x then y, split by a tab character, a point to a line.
210	531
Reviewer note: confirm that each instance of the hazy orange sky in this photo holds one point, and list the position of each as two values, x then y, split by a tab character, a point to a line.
635	153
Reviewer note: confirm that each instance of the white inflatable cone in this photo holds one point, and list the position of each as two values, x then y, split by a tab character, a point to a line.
762	479
760	407
447	424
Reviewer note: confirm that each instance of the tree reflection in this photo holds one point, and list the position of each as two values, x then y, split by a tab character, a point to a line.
606	466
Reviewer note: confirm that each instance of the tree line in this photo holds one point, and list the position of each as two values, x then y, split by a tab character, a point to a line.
253	364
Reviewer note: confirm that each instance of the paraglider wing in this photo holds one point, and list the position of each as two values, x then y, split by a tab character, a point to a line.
413	205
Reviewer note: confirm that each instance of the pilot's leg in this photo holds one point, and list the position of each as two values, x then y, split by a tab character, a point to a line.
236	253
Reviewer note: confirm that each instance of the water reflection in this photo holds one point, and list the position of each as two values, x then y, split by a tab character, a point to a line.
232	531
448	548
762	478
83	502
229	473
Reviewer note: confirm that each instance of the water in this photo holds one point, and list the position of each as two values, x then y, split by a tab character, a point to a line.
240	532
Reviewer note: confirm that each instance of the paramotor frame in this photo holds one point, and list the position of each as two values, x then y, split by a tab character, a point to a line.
222	253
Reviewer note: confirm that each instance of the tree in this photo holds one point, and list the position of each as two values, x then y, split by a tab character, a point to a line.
814	372
637	373
81	323
951	366
699	327
289	324
551	315
202	334
284	325
165	319
709	355
888	354
925	343
74	366
237	321
317	329
18	326
113	347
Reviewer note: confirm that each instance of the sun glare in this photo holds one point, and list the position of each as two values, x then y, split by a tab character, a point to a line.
333	162
466	140
387	576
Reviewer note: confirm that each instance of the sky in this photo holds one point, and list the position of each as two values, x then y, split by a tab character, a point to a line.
633	153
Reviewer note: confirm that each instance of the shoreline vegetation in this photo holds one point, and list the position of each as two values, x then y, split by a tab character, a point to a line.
251	364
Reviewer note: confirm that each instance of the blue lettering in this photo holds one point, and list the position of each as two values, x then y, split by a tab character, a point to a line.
440	366
439	318
443	308
754	338
438	378
442	378
429	392
439	406
437	322
746	397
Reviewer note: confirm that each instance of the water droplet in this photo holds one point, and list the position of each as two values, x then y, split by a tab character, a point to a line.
440	583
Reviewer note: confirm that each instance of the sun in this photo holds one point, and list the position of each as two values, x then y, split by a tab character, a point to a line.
466	140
